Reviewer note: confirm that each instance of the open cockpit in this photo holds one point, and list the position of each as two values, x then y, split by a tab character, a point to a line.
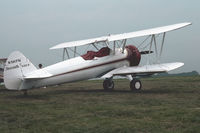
105	51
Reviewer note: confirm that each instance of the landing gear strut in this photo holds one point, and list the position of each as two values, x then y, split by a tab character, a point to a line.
135	85
108	84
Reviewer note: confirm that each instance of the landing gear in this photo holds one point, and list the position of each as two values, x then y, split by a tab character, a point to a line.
108	84
135	85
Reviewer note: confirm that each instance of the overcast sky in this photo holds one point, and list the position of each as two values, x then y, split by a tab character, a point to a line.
33	26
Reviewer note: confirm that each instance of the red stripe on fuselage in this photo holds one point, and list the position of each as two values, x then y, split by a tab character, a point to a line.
91	67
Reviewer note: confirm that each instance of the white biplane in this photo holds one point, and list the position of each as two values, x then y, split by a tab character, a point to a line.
107	62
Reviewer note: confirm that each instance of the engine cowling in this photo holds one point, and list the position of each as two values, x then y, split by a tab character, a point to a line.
134	55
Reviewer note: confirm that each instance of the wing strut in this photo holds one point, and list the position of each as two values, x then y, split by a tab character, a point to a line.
154	42
114	45
75	51
65	51
94	46
163	40
124	44
150	48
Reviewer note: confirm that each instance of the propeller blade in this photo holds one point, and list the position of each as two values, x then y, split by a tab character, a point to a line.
146	52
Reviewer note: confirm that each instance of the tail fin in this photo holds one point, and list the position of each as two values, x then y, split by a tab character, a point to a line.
17	65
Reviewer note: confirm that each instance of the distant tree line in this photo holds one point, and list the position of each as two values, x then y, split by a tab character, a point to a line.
193	73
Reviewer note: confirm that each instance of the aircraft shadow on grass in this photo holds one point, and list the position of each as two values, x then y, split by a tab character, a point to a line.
49	93
149	91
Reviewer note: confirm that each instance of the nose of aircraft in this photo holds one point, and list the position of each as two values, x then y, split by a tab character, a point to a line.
134	55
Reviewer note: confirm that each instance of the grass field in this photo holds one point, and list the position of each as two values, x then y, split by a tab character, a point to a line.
165	105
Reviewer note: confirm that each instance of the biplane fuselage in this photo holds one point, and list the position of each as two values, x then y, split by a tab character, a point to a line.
77	69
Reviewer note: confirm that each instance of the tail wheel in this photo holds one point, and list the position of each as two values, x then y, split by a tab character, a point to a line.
25	92
108	84
135	85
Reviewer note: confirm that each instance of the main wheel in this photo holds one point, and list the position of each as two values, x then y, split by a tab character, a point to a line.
135	85
108	84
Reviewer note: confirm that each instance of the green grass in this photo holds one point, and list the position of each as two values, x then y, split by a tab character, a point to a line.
170	104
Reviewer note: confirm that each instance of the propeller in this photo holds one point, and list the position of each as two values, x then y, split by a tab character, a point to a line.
146	52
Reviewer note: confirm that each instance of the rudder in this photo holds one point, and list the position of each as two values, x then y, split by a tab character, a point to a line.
17	65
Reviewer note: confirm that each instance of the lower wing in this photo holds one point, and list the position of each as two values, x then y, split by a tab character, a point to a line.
143	70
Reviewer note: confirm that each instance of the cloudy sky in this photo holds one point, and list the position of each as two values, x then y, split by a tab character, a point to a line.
32	27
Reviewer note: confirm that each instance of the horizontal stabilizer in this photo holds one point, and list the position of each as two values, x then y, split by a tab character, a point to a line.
144	70
38	74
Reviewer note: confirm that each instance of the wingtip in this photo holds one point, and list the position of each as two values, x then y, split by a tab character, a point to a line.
188	23
181	64
52	48
175	65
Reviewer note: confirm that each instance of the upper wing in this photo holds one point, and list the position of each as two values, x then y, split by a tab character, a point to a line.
122	36
141	70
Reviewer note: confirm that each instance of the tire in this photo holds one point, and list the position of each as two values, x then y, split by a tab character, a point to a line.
135	85
108	85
